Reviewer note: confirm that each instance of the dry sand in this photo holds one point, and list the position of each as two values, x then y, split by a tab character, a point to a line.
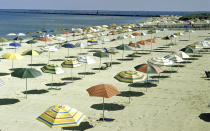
173	105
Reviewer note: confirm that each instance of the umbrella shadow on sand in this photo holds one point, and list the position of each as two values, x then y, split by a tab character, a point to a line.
37	64
178	66
112	63
70	56
83	126
108	106
132	56
125	59
159	77
86	73
71	78
130	94
186	62
56	84
94	51
191	58
57	60
13	69
8	101
169	71
82	53
4	74
205	117
195	55
142	85
42	91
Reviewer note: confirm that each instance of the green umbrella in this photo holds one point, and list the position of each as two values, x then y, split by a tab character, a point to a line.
31	42
26	73
18	38
123	47
188	50
2	40
101	55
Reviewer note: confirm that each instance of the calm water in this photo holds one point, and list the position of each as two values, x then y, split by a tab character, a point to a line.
23	22
15	21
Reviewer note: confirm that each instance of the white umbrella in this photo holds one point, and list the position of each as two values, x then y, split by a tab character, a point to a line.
86	60
11	34
49	49
21	34
174	58
160	61
182	54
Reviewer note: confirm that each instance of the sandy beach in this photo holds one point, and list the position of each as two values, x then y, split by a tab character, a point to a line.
173	104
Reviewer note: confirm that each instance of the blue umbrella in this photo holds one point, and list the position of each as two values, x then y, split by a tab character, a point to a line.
68	46
14	44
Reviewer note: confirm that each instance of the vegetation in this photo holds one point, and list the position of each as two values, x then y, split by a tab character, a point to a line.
203	16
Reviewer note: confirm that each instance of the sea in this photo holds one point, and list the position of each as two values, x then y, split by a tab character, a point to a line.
24	20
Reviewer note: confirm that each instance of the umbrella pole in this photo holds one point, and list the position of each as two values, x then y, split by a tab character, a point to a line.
49	57
85	70
129	95
12	63
52	81
26	88
147	81
100	65
31	60
68	52
123	55
103	108
111	60
71	75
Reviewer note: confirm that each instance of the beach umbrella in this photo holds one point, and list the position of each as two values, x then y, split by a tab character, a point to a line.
71	64
2	40
123	47
160	61
61	116
31	42
26	73
111	51
182	54
174	58
49	49
86	60
135	45
148	69
52	69
21	34
151	41
188	50
68	46
14	44
31	53
81	45
12	56
45	39
11	34
101	55
130	77
103	90
18	38
202	44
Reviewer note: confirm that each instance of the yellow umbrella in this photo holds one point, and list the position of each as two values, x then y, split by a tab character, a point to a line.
31	53
12	56
61	116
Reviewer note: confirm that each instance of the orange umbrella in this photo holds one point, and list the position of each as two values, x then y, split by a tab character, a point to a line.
66	33
136	34
152	40
113	32
103	90
142	42
45	39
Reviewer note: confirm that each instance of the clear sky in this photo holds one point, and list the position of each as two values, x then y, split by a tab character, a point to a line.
131	5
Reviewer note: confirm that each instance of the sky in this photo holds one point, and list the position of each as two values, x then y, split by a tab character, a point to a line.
127	5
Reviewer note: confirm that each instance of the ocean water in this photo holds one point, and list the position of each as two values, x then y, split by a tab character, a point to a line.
27	22
16	21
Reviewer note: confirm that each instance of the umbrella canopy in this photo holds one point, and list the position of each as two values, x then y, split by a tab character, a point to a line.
160	61
68	45
53	69
31	52
31	42
203	43
49	48
182	54
123	47
143	42
26	73
148	68
61	116
15	44
101	54
86	59
174	58
136	34
70	64
12	56
81	45
11	34
130	76
136	45
45	39
103	90
21	34
188	50
18	38
152	40
3	40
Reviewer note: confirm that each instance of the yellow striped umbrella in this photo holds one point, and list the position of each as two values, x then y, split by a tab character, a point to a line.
12	56
71	64
130	77
61	116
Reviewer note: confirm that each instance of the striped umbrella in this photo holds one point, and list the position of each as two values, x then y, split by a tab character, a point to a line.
52	69
61	116
12	56
31	53
103	90
130	77
149	69
71	64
